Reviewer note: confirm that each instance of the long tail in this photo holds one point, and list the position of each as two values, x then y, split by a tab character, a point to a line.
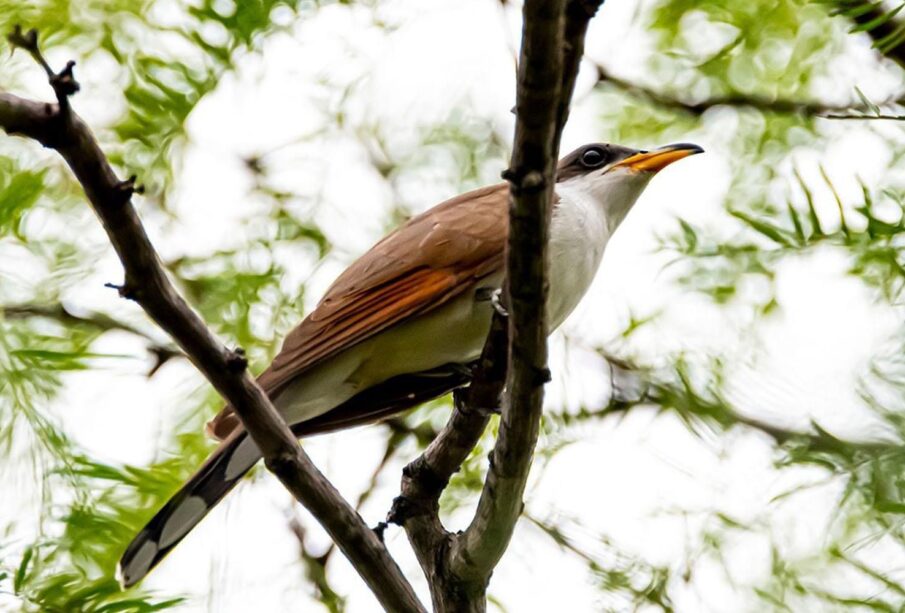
218	475
237	454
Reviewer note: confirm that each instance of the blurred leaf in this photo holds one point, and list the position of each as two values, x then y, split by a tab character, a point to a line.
19	191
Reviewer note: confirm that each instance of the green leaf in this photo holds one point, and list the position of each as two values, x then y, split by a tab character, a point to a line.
774	233
873	108
691	238
22	571
842	223
796	222
18	194
878	21
891	40
812	211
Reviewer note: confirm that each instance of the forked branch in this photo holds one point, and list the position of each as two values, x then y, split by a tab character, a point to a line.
459	566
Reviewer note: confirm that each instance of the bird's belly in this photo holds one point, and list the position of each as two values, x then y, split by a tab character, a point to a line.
577	240
453	333
570	275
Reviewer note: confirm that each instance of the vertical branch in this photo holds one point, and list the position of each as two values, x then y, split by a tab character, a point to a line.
458	567
531	178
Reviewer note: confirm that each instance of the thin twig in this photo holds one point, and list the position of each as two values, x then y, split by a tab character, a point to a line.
739	101
881	116
424	479
162	352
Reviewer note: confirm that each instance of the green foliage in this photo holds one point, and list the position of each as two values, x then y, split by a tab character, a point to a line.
769	51
770	47
628	583
89	510
718	265
875	18
18	192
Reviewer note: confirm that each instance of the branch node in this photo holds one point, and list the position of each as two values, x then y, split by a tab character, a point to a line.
282	460
430	483
125	189
237	361
405	508
162	355
542	376
533	181
64	83
522	182
27	40
380	529
125	290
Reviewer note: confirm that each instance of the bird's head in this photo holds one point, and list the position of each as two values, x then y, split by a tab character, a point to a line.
614	176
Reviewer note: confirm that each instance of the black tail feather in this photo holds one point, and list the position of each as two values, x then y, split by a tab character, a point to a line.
196	498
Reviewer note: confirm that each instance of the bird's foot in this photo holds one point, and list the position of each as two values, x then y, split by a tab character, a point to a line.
497	301
495	296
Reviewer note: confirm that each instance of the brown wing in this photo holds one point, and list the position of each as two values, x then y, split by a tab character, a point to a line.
429	260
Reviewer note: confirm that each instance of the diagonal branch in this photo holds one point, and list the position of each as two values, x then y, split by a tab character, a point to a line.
56	126
673	390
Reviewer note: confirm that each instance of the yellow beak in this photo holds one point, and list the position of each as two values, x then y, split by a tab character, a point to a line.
655	161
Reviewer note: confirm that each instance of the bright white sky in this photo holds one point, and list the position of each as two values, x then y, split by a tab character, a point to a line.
645	482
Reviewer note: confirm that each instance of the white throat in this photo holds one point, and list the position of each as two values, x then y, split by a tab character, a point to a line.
589	210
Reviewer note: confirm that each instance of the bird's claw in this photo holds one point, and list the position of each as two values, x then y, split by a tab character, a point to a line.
496	299
495	296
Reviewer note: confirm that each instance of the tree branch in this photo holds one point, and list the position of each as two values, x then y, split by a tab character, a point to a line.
738	101
710	407
162	352
539	115
59	128
417	508
545	104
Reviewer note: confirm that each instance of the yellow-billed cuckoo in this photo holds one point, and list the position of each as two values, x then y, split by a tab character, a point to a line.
401	325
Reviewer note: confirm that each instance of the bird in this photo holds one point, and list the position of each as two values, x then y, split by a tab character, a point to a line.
404	323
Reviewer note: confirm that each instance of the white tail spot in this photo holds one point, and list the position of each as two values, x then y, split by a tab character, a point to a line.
243	458
138	566
182	520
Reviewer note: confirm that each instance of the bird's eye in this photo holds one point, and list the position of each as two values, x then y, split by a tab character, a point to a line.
592	158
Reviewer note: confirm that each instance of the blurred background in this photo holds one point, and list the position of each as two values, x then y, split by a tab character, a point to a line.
724	430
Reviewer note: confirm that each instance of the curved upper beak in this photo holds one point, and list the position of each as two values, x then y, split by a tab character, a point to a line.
657	160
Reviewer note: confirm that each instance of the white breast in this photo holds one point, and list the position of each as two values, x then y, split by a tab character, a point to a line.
578	237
